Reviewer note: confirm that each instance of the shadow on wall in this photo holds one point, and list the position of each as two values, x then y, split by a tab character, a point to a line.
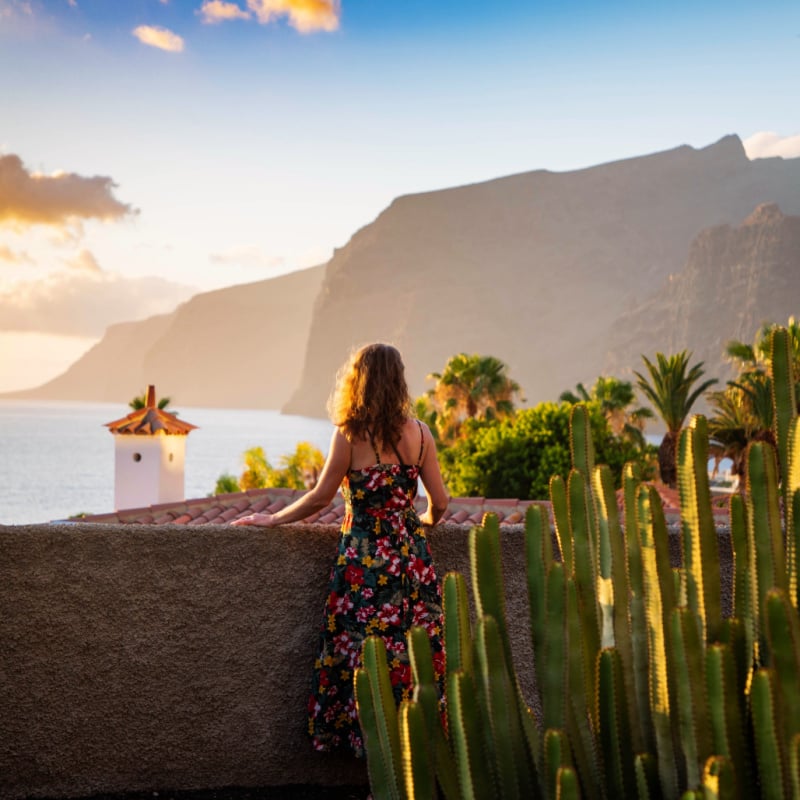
139	657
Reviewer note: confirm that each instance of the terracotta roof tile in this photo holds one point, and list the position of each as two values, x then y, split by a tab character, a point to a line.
223	508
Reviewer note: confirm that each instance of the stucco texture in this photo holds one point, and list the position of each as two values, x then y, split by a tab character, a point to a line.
147	658
141	657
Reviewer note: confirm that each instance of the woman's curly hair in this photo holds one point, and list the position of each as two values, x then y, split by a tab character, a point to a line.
371	396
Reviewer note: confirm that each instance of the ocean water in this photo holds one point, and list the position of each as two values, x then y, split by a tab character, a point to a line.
57	459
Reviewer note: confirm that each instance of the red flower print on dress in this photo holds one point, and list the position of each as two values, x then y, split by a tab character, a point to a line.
389	614
400	675
342	643
365	613
439	662
354	574
383	547
418	569
339	604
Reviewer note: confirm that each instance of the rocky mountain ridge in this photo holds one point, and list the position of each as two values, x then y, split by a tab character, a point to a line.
565	276
736	277
536	268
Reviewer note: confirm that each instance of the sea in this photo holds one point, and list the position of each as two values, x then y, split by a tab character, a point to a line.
57	458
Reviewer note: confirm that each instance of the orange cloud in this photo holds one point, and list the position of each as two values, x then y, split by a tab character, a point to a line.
215	11
84	262
59	200
307	16
12	257
160	38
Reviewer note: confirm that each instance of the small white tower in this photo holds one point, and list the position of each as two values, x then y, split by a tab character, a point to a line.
149	454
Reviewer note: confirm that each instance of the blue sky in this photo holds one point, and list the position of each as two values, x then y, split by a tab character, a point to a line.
243	148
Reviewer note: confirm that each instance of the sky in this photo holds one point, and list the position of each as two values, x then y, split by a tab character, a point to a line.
153	149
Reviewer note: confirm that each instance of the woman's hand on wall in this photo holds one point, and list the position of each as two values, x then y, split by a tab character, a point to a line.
260	520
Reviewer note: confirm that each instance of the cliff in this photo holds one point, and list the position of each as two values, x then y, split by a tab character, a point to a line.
236	347
735	279
565	276
534	268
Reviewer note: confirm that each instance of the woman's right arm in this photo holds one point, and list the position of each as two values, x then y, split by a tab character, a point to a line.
336	466
432	482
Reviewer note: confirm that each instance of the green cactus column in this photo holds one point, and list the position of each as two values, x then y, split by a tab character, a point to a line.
700	551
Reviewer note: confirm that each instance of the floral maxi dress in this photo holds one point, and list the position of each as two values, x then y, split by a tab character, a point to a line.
382	582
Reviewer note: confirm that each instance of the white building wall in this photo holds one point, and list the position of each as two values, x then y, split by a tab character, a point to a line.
148	470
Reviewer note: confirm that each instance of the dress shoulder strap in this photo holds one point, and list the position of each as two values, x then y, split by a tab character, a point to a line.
375	449
421	443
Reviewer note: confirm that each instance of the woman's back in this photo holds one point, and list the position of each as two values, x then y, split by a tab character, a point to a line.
409	449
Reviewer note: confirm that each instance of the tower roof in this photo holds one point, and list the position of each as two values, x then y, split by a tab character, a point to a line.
150	420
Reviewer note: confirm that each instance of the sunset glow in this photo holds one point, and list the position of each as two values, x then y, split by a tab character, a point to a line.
155	149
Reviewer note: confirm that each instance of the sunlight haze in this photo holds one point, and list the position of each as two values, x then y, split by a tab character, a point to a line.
154	149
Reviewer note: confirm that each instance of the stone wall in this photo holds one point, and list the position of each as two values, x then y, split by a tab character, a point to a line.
147	658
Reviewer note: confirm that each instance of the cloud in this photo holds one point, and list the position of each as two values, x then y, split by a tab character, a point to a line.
10	9
12	257
60	200
215	11
79	302
307	16
766	144
247	256
84	261
158	37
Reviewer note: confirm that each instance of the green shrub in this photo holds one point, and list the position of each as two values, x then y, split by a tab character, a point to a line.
515	457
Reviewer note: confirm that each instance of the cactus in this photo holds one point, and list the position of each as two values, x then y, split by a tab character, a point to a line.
719	779
784	402
690	692
792	510
553	674
766	732
417	760
783	634
539	557
765	538
647	786
464	725
700	556
377	716
556	757
646	690
567	784
614	726
558	500
726	714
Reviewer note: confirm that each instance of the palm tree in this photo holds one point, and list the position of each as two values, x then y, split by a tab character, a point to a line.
742	414
471	387
756	359
671	393
615	397
743	410
140	401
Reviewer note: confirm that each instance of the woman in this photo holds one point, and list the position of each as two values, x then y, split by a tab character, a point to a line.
383	580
